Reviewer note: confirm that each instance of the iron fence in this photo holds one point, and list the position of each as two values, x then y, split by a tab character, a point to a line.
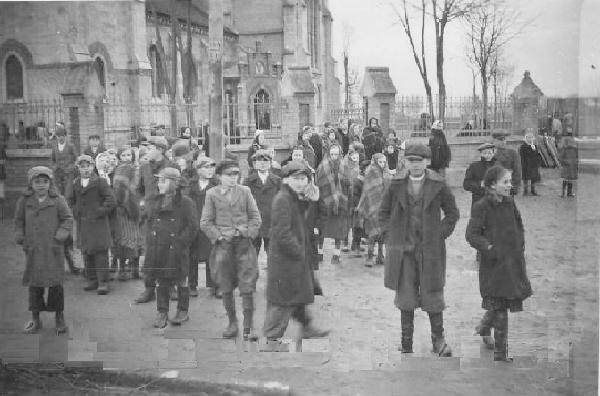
30	123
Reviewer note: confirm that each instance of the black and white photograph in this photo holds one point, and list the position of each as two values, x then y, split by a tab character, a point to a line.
299	197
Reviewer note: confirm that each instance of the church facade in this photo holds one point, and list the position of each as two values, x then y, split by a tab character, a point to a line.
107	67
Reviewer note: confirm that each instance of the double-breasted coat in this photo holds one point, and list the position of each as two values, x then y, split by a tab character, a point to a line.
201	246
502	272
42	228
170	231
569	158
531	160
263	195
289	276
91	208
394	220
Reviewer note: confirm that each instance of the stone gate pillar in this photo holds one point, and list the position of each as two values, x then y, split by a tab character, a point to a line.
527	105
379	96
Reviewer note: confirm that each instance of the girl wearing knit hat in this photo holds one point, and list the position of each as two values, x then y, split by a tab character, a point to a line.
43	221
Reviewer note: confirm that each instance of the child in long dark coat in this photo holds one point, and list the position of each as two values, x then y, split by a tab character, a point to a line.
43	221
531	160
569	160
496	231
172	226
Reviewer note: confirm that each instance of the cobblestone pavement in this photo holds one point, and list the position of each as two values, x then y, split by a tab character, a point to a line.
554	340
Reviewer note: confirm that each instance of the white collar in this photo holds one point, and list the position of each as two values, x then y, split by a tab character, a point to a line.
417	179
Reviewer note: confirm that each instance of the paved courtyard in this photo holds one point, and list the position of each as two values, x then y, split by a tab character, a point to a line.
554	340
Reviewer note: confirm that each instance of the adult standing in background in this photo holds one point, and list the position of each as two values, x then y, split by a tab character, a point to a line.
440	151
509	158
531	161
473	181
372	138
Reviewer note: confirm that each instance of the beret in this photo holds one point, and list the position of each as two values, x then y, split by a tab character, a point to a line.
84	158
39	171
169	173
485	146
159	141
180	149
417	150
226	164
295	167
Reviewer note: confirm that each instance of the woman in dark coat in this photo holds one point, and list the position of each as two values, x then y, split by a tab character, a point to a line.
531	160
43	221
172	225
440	151
372	138
201	247
496	231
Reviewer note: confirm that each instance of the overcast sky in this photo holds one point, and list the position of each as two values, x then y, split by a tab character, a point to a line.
558	45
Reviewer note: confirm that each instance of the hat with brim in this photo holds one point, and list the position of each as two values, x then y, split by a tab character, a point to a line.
84	158
226	164
39	171
169	173
295	168
182	149
203	161
500	134
485	146
417	151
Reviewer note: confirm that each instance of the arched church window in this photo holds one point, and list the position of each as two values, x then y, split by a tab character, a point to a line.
14	78
262	110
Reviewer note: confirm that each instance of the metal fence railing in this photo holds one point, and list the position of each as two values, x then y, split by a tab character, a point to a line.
30	123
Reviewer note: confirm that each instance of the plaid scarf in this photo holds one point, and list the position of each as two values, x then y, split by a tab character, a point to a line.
333	186
375	182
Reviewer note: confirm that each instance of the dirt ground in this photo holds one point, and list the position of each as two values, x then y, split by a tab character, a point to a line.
554	340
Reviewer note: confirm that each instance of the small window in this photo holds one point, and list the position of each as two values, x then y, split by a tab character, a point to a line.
14	78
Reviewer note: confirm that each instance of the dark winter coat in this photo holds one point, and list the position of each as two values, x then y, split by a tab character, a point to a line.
64	161
92	206
263	195
502	271
88	151
202	245
531	160
474	178
289	275
569	158
394	220
147	184
317	144
440	151
42	229
169	235
373	140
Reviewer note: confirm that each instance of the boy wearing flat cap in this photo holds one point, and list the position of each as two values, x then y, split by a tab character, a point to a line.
92	202
290	284
43	220
410	216
230	218
263	185
473	181
509	158
201	248
147	188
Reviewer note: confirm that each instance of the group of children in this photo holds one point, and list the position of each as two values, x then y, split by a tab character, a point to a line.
179	208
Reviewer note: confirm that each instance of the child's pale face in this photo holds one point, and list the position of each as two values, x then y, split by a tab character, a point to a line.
126	156
504	184
382	162
206	172
41	185
62	139
297	155
487	154
94	142
354	157
85	169
229	177
390	149
262	165
416	166
163	185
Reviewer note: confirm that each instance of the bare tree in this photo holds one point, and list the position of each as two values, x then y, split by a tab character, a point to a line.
444	12
490	26
404	20
501	71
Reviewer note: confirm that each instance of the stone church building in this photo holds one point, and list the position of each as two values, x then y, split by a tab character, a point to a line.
106	67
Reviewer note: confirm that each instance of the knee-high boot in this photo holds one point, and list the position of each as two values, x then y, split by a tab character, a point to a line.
229	303
436	319
501	336
407	319
248	309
